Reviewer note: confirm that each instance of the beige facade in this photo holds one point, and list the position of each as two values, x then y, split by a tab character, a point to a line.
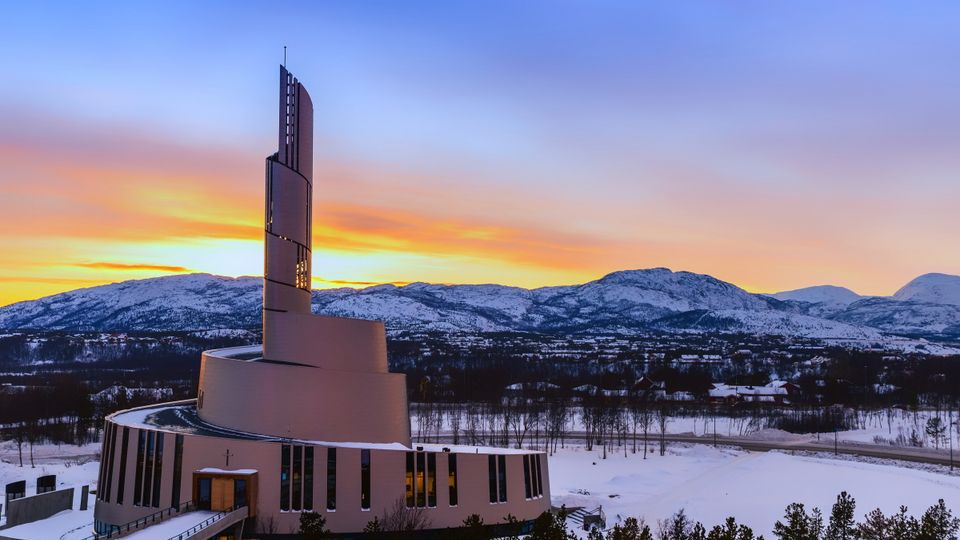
156	487
312	420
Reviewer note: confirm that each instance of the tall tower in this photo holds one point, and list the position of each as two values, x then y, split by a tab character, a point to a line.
319	378
287	220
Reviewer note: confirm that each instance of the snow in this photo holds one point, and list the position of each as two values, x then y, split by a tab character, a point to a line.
172	527
69	524
708	483
215	306
820	294
713	483
932	289
215	470
74	466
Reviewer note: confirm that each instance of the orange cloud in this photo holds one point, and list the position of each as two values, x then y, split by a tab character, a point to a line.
348	283
126	266
151	205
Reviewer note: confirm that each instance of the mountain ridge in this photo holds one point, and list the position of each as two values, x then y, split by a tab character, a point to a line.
656	299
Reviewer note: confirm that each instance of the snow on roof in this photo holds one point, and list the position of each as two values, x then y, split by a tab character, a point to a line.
173	526
775	388
138	418
215	470
532	386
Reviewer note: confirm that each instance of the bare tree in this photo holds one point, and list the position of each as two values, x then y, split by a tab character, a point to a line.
663	417
400	518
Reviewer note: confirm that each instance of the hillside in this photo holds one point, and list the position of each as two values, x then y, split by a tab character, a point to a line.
626	301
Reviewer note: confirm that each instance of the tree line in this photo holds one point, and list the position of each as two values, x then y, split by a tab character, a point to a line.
936	523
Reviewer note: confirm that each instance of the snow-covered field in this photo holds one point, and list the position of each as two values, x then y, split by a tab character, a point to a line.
708	483
713	483
886	427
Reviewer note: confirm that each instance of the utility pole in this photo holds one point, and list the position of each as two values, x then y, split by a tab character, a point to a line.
836	450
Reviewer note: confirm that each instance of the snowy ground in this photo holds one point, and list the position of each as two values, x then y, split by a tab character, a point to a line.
709	483
75	466
172	527
713	483
884	426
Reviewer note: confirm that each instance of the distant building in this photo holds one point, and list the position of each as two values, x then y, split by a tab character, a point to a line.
646	384
773	392
312	420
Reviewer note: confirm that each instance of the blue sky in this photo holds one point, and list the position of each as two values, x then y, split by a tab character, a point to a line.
774	145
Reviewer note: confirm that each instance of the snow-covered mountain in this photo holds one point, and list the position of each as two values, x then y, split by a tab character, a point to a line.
820	294
931	289
188	302
656	299
904	317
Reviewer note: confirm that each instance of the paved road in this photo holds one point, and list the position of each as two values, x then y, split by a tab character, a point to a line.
825	445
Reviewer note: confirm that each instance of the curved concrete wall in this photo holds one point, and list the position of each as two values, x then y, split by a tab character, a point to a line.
304	402
327	342
387	484
288	209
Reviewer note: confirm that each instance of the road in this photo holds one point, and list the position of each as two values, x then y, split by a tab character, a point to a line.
824	446
917	455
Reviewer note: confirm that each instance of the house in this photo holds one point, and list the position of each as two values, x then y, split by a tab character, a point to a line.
778	392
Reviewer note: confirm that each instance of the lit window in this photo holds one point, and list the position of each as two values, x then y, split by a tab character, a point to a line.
452	478
408	481
421	481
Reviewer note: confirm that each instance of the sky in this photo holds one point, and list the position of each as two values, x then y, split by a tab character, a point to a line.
773	145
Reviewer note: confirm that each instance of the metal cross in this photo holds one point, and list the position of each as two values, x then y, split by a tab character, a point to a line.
227	455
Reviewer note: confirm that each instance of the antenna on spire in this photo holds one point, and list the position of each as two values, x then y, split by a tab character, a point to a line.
284	56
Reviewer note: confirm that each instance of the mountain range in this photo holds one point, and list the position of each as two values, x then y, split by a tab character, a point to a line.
655	299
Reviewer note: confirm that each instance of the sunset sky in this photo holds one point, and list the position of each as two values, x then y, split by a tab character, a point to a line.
773	145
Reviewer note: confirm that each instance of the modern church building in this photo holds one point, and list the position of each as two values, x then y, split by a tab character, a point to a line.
312	421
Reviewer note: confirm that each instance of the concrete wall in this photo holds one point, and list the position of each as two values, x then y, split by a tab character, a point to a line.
301	402
388	467
37	507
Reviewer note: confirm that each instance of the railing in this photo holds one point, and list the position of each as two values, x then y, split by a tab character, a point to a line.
117	530
206	523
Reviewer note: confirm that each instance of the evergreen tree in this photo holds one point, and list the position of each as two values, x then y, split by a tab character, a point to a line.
843	525
935	429
474	528
730	531
799	525
902	526
938	523
698	532
313	526
876	526
678	527
550	526
374	526
630	530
